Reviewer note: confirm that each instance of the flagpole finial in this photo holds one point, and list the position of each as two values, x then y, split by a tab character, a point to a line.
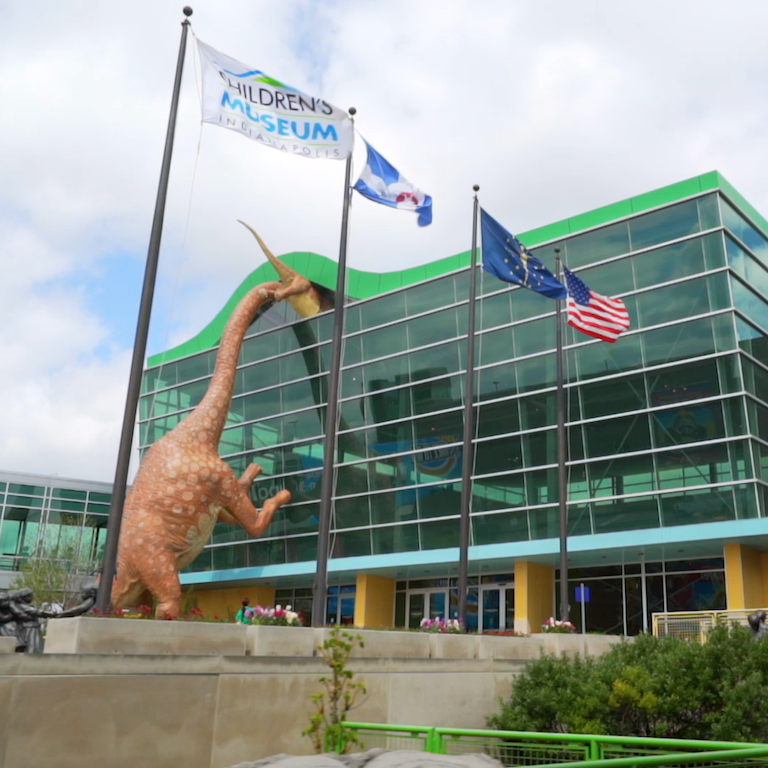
187	11
476	187
352	111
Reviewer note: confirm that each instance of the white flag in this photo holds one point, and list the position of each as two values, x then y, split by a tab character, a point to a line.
247	100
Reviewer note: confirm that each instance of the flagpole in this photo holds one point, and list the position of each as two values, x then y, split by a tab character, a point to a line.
320	587
140	343
467	453
562	478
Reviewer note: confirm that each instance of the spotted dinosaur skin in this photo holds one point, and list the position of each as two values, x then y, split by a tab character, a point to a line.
183	488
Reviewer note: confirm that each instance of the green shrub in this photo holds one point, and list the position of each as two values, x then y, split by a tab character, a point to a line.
661	688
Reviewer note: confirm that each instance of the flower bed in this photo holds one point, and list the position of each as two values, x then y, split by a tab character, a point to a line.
442	626
554	626
272	617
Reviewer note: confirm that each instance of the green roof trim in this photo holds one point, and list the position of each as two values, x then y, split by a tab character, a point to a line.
364	285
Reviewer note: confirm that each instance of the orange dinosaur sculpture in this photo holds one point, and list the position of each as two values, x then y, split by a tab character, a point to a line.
183	487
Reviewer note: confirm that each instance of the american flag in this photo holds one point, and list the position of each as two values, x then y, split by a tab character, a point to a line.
589	312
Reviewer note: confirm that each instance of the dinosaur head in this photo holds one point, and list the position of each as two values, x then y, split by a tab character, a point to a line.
297	290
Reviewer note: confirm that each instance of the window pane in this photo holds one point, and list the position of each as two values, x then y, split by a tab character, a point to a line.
610	279
670	263
667	224
664	345
351	513
385	341
749	235
400	538
438	500
500	492
750	303
621	435
499	455
595	246
752	340
266	552
493	529
707	505
594	360
696	591
494	310
432	328
617	477
688	423
383	310
431	295
440	534
351	544
614	396
496	346
393	507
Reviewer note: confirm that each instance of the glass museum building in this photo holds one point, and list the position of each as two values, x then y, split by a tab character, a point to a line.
667	430
53	517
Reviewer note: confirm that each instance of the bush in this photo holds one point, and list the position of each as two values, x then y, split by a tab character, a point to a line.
660	688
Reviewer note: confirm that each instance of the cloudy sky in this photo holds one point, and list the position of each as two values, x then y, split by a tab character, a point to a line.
554	108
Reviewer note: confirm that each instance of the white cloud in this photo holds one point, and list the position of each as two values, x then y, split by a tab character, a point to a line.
552	108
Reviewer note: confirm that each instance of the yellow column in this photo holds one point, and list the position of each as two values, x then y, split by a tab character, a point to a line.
534	596
745	577
225	603
374	601
764	577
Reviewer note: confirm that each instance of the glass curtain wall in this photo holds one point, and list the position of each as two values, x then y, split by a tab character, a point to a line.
62	523
661	430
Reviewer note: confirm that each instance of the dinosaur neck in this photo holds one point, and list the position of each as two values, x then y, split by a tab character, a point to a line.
214	407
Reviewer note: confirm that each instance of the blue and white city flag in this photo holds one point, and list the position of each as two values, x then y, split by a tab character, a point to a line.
505	257
247	100
382	183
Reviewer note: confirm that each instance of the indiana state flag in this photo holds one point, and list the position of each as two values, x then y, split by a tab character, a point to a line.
505	257
382	183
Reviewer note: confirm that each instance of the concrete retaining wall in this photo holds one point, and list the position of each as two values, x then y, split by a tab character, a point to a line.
115	636
121	711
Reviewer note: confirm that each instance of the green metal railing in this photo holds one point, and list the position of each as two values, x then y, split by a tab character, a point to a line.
548	750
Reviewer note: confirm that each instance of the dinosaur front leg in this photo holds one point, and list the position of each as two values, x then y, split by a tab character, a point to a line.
239	508
251	473
245	481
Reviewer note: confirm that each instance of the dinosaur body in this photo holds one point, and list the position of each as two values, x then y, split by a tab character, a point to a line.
183	488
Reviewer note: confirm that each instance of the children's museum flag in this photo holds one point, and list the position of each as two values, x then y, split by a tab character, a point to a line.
382	183
248	101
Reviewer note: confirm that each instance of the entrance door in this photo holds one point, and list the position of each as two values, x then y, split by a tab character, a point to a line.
497	607
432	604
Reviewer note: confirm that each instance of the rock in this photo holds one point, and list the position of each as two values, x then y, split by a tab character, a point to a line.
376	758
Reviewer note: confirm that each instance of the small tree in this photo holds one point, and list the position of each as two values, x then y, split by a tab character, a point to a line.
55	575
326	725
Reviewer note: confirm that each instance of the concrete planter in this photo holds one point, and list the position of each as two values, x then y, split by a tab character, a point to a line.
262	640
384	644
144	637
446	646
500	647
585	645
7	645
